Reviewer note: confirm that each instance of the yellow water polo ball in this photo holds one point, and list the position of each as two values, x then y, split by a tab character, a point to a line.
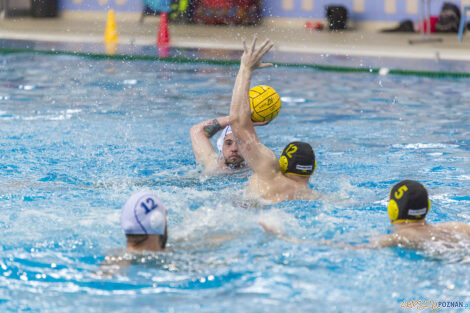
265	103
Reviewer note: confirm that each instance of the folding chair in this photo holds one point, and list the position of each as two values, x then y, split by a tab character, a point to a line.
154	7
425	10
463	16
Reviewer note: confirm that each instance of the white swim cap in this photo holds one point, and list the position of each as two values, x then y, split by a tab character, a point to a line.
143	214
220	142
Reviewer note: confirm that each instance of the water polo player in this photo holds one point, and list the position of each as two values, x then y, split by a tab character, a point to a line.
274	180
143	219
229	158
407	209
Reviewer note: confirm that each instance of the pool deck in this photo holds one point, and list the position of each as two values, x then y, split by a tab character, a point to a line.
288	36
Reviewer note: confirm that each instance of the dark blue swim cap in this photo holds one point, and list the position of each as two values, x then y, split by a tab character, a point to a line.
298	158
408	201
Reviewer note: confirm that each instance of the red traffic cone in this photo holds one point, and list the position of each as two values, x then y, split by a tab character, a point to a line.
163	33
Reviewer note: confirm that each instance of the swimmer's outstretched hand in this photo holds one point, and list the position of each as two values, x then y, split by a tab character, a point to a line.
270	229
251	58
259	123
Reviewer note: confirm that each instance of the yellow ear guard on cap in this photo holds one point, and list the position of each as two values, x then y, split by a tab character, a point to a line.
283	163
393	210
287	152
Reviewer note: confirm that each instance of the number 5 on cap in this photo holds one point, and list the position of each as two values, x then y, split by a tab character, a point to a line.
401	190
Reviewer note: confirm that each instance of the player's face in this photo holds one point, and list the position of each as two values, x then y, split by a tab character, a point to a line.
230	151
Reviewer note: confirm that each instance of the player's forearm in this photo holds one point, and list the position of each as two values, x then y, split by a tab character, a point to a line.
200	139
240	113
200	144
210	127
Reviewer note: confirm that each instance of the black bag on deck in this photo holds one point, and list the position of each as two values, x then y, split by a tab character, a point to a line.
337	16
44	8
449	19
405	27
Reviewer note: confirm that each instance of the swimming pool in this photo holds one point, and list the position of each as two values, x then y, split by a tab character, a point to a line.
79	135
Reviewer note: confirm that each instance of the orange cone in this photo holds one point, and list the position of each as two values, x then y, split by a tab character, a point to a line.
163	33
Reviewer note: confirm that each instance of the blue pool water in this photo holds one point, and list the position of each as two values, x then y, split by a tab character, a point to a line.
78	136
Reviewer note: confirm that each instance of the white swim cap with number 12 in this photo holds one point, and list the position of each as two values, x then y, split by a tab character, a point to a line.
143	214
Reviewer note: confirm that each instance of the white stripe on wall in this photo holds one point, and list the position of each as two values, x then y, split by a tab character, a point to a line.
288	5
359	6
307	5
390	6
412	6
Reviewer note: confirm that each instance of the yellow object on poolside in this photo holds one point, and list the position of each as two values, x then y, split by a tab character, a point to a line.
110	33
265	103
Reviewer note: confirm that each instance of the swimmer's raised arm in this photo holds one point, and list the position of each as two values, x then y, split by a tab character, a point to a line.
240	111
261	159
202	147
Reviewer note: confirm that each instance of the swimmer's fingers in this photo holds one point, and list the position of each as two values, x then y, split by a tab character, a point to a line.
245	49
270	229
253	44
263	65
265	226
259	123
265	47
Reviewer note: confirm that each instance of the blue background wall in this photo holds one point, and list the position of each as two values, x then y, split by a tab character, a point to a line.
374	10
103	5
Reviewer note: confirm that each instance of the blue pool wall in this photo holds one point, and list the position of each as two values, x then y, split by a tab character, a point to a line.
359	10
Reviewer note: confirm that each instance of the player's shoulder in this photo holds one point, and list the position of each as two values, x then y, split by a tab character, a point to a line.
459	226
